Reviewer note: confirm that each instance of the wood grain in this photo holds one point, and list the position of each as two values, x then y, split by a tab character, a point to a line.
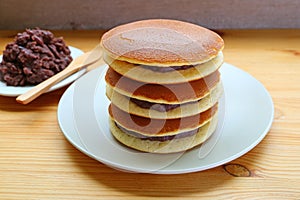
37	162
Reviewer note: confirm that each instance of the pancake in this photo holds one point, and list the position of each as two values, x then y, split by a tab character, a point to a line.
163	83
168	146
162	93
124	103
161	42
160	127
140	73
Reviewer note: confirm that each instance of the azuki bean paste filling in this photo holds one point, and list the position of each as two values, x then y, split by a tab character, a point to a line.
34	56
159	138
155	106
167	69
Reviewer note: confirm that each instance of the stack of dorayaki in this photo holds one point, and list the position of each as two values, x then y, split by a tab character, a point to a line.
163	83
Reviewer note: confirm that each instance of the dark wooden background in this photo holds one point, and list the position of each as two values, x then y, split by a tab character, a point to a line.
104	14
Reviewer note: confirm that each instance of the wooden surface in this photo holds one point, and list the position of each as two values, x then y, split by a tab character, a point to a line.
37	162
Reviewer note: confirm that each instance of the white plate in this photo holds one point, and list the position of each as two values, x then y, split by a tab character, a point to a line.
247	107
13	91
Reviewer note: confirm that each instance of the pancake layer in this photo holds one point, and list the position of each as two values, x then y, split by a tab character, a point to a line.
145	74
182	110
162	42
169	146
160	127
162	93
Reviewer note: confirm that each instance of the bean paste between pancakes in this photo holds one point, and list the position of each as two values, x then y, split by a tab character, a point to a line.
167	69
158	138
156	106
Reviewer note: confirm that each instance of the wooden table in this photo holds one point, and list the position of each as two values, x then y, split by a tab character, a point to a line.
37	162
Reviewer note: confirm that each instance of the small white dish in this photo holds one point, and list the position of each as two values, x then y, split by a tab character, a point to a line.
14	91
246	113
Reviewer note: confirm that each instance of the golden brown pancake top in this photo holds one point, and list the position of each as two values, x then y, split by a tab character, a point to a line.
162	42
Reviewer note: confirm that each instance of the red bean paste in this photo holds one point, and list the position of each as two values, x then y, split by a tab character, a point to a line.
33	56
159	138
